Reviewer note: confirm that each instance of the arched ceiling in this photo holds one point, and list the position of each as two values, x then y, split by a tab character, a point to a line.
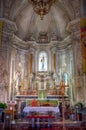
30	25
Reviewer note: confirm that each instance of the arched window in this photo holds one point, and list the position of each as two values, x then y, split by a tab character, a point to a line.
43	61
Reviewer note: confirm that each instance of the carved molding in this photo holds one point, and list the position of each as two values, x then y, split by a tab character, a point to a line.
3	73
76	6
19	43
74	25
9	26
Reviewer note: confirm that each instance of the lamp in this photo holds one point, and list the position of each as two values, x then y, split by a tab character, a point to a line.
42	7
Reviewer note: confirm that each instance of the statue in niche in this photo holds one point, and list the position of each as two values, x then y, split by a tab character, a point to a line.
65	78
43	62
3	73
26	82
18	81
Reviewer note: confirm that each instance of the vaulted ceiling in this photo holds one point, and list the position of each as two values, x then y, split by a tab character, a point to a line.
30	25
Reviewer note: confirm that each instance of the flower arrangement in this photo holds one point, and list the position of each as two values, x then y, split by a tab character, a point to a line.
79	105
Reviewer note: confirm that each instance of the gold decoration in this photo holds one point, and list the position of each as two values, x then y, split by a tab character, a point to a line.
55	62
31	62
1	27
62	85
42	7
83	40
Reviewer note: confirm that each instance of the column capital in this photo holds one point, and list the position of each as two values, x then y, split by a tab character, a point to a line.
74	25
74	28
9	27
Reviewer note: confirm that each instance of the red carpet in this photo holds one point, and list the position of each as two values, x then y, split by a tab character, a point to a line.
46	129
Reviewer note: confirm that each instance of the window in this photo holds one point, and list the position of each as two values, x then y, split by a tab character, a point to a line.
43	61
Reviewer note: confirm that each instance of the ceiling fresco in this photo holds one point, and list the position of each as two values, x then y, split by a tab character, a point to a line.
30	26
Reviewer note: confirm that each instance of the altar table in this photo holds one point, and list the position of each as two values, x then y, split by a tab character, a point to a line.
41	109
28	109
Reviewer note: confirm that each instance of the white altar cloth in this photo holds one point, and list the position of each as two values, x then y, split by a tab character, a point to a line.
28	109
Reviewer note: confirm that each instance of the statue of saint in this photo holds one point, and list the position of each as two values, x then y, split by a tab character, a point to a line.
43	62
18	79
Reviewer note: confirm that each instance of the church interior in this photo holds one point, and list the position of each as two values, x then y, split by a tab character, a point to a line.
42	65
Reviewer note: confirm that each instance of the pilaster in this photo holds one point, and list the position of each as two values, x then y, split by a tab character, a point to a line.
9	28
74	27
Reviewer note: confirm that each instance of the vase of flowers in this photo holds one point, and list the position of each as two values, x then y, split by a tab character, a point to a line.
3	106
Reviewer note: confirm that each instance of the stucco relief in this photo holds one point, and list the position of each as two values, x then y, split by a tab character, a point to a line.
3	73
78	64
3	95
79	59
80	94
75	28
76	6
7	6
21	71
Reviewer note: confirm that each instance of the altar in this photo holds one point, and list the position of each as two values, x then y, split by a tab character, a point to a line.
43	87
40	114
41	109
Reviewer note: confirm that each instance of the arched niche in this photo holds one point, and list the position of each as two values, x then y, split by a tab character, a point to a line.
43	61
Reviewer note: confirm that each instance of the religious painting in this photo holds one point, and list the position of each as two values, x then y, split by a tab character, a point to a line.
43	61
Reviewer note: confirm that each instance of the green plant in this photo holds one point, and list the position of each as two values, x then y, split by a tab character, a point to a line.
3	105
79	104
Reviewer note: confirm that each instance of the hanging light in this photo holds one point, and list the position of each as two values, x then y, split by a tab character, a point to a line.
42	7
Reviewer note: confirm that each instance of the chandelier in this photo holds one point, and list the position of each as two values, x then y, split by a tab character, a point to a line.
42	7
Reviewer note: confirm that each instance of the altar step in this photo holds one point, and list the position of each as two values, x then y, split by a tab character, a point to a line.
36	97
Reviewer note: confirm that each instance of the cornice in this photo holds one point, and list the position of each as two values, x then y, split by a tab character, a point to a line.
17	42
